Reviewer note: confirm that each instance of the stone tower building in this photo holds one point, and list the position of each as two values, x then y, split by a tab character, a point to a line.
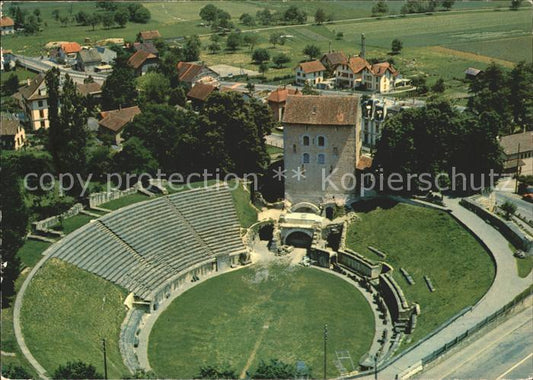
321	146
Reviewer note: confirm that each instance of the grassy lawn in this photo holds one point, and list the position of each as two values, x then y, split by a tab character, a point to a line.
261	313
67	312
524	266
21	72
31	252
426	242
125	201
246	212
71	224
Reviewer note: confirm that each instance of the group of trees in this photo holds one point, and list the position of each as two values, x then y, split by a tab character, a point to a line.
422	6
292	15
114	15
28	21
272	369
216	17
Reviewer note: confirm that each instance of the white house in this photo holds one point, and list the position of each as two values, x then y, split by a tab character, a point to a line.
33	100
310	72
7	25
357	72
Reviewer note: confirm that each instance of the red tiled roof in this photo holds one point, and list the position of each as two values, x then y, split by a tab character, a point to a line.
28	92
9	127
6	21
379	69
321	110
335	58
364	162
138	58
70	47
150	35
188	71
89	88
115	120
147	46
357	64
200	91
311	67
280	94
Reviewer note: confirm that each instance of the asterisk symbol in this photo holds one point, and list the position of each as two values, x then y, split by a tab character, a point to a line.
279	173
298	173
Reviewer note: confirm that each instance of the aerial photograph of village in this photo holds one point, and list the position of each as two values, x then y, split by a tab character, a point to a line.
253	189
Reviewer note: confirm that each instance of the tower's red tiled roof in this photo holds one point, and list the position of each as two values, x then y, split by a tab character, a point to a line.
321	110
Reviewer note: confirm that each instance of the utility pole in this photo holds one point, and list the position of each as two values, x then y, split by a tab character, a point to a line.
105	359
376	366
517	169
325	347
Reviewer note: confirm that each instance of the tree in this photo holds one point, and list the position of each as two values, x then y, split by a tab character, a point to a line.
294	15
191	48
260	55
11	85
19	18
309	90
214	48
264	17
76	370
121	17
320	16
141	15
251	39
153	88
312	51
64	20
233	41
82	18
277	38
509	208
380	8
15	372
214	372
135	158
521	91
263	68
339	36
94	20
55	135
515	4
247	19
209	13
281	59
439	86
447	4
108	20
119	89
55	14
31	25
396	46
275	369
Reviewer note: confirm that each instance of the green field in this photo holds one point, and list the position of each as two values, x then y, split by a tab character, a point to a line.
67	312
512	48
125	201
31	252
524	266
261	312
426	242
246	213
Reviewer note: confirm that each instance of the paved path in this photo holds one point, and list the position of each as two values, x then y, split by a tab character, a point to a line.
498	350
505	287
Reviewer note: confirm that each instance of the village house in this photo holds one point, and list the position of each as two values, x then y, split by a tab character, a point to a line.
89	89
12	135
142	61
321	136
7	25
518	153
113	122
332	59
147	46
199	93
108	56
7	60
33	99
278	98
68	53
88	60
148	35
310	72
357	72
192	73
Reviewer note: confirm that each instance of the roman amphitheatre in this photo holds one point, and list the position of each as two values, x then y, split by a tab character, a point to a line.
192	279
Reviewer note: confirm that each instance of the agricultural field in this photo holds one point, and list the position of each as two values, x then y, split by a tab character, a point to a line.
62	295
268	311
426	242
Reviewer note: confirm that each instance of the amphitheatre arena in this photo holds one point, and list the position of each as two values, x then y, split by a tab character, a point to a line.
178	282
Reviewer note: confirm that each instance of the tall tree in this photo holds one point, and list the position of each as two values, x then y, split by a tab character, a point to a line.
320	16
76	370
312	51
56	138
191	48
119	87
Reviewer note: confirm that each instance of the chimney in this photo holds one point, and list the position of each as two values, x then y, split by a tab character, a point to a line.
363	46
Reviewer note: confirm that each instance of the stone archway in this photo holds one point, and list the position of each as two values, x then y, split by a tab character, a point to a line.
299	239
306	207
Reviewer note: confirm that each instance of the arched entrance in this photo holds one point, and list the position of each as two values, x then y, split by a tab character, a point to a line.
299	239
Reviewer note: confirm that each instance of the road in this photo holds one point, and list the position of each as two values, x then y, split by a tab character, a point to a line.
522	207
501	352
43	65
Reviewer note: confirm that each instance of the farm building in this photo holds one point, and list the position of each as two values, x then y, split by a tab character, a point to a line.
7	25
141	61
12	135
113	122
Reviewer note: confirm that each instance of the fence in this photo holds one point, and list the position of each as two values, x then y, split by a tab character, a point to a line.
96	199
45	224
442	350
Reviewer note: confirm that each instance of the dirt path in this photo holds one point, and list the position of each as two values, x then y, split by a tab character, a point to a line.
254	350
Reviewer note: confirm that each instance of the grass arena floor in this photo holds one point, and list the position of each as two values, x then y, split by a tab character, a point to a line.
261	312
426	242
